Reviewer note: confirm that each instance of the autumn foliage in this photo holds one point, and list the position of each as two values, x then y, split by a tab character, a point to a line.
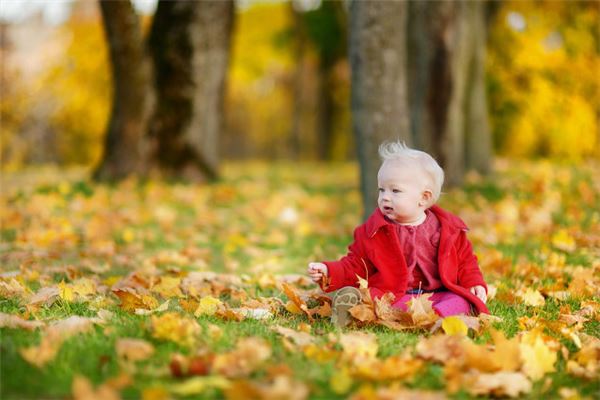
157	290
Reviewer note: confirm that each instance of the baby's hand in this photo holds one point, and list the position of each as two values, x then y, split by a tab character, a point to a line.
479	291
317	271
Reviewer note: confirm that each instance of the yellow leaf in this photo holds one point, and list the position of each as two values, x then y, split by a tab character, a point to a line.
454	326
537	357
208	306
65	291
341	381
199	385
532	298
563	241
362	283
172	326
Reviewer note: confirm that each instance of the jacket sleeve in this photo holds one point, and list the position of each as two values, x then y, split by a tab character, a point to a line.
469	274
344	271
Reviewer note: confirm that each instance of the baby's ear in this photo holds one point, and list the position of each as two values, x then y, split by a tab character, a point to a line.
426	198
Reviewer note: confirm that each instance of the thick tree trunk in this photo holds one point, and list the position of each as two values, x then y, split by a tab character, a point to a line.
190	45
446	42
326	111
132	96
435	86
478	133
378	98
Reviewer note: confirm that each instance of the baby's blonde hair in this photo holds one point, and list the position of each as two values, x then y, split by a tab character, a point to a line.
399	151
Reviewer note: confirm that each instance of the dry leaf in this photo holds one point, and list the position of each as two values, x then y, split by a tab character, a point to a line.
537	357
14	321
248	355
502	383
175	327
133	349
301	339
454	326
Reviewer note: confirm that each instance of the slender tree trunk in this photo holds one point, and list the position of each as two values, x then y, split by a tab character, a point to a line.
132	96
190	45
478	132
378	98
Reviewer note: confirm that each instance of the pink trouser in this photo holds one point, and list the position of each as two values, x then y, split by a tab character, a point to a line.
444	303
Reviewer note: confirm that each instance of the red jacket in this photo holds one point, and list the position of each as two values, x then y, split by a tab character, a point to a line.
376	255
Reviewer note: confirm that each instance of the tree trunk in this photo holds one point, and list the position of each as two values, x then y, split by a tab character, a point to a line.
478	133
446	42
436	86
132	95
378	98
189	41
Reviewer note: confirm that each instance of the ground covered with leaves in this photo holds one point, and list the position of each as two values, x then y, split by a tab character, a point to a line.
161	290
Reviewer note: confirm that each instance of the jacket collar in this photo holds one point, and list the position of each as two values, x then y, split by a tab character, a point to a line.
447	220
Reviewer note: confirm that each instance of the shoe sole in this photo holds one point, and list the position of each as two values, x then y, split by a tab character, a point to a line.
344	300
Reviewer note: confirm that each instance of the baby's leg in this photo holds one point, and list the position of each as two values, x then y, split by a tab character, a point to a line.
448	303
402	302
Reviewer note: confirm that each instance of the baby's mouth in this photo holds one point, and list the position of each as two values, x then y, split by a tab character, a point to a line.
387	208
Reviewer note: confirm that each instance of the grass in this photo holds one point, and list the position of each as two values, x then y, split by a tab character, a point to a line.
263	220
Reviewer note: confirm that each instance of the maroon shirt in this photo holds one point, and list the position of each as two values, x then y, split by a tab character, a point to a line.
419	245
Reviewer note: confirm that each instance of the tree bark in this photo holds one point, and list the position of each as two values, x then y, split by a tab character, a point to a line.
478	131
132	95
189	41
378	94
446	43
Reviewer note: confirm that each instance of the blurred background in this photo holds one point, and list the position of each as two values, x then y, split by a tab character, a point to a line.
287	80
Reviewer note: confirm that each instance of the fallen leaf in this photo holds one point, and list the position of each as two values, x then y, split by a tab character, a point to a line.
511	384
14	321
208	306
454	326
175	327
133	349
248	355
537	357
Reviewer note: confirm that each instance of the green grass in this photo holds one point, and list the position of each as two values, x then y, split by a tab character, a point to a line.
235	227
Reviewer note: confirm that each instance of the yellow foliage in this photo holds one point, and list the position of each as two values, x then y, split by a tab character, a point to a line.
545	92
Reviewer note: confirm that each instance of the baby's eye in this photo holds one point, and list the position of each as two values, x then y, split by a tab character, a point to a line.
380	190
396	191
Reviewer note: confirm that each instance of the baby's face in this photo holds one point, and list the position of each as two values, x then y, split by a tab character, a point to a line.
403	196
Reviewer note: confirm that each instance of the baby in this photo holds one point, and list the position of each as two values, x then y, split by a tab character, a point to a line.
408	246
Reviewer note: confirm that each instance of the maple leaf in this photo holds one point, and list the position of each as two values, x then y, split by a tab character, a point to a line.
132	300
298	303
168	287
442	348
421	310
46	296
175	327
248	355
208	306
502	383
301	339
341	381
83	389
14	321
532	298
536	356
363	313
199	384
358	346
454	326
133	349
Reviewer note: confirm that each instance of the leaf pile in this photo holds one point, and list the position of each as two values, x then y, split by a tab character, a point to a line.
155	290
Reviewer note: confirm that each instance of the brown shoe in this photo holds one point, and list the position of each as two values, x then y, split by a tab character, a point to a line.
343	301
